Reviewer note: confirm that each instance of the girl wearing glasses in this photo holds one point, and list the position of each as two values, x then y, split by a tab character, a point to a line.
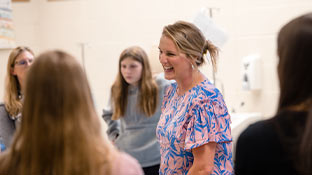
10	111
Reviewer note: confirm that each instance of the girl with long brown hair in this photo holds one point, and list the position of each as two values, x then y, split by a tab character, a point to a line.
61	133
134	109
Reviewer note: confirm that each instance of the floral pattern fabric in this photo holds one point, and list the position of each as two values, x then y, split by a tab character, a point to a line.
191	120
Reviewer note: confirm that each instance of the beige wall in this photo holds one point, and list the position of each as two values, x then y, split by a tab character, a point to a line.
106	27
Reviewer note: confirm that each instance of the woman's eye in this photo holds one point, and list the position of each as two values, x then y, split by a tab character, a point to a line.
170	54
133	66
23	62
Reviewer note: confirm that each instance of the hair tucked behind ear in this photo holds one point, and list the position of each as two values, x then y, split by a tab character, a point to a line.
191	41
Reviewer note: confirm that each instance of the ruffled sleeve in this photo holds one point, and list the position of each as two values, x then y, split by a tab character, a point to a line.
209	122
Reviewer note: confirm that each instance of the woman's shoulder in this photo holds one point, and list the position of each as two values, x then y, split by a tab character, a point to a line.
206	93
259	133
258	127
284	121
2	106
124	164
260	146
3	111
209	88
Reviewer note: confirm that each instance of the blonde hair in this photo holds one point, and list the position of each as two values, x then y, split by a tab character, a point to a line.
148	90
12	100
190	41
60	132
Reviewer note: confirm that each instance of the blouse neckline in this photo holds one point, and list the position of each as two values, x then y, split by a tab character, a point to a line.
190	90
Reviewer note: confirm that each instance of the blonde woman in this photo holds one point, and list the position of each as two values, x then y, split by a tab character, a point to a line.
134	110
61	132
194	128
18	63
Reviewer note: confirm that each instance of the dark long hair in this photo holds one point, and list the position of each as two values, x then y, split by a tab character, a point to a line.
295	77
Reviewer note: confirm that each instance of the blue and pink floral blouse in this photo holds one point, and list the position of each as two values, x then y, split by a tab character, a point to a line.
191	120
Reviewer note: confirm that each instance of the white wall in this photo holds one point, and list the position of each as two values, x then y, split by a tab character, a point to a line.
109	26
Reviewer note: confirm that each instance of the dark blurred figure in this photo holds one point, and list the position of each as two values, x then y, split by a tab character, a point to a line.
283	144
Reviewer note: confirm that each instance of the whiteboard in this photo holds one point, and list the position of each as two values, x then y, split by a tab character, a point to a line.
7	37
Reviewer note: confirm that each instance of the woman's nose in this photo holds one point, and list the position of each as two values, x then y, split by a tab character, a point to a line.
162	58
127	70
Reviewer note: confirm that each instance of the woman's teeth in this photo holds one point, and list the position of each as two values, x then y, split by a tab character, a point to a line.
168	68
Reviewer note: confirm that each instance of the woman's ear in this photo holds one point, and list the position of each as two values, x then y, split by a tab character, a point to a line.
193	62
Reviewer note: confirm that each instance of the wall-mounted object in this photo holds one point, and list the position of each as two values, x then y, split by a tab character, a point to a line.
7	36
251	72
212	32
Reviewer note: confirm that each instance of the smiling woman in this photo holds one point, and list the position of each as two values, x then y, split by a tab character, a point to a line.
194	128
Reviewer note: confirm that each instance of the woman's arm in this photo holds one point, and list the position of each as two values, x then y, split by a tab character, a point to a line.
113	126
203	159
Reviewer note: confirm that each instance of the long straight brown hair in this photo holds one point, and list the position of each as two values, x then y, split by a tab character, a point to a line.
295	77
148	90
60	132
12	101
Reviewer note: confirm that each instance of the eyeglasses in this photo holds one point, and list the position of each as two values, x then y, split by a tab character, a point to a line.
23	62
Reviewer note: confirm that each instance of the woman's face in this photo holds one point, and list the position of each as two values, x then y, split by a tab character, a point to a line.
21	65
176	65
131	70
